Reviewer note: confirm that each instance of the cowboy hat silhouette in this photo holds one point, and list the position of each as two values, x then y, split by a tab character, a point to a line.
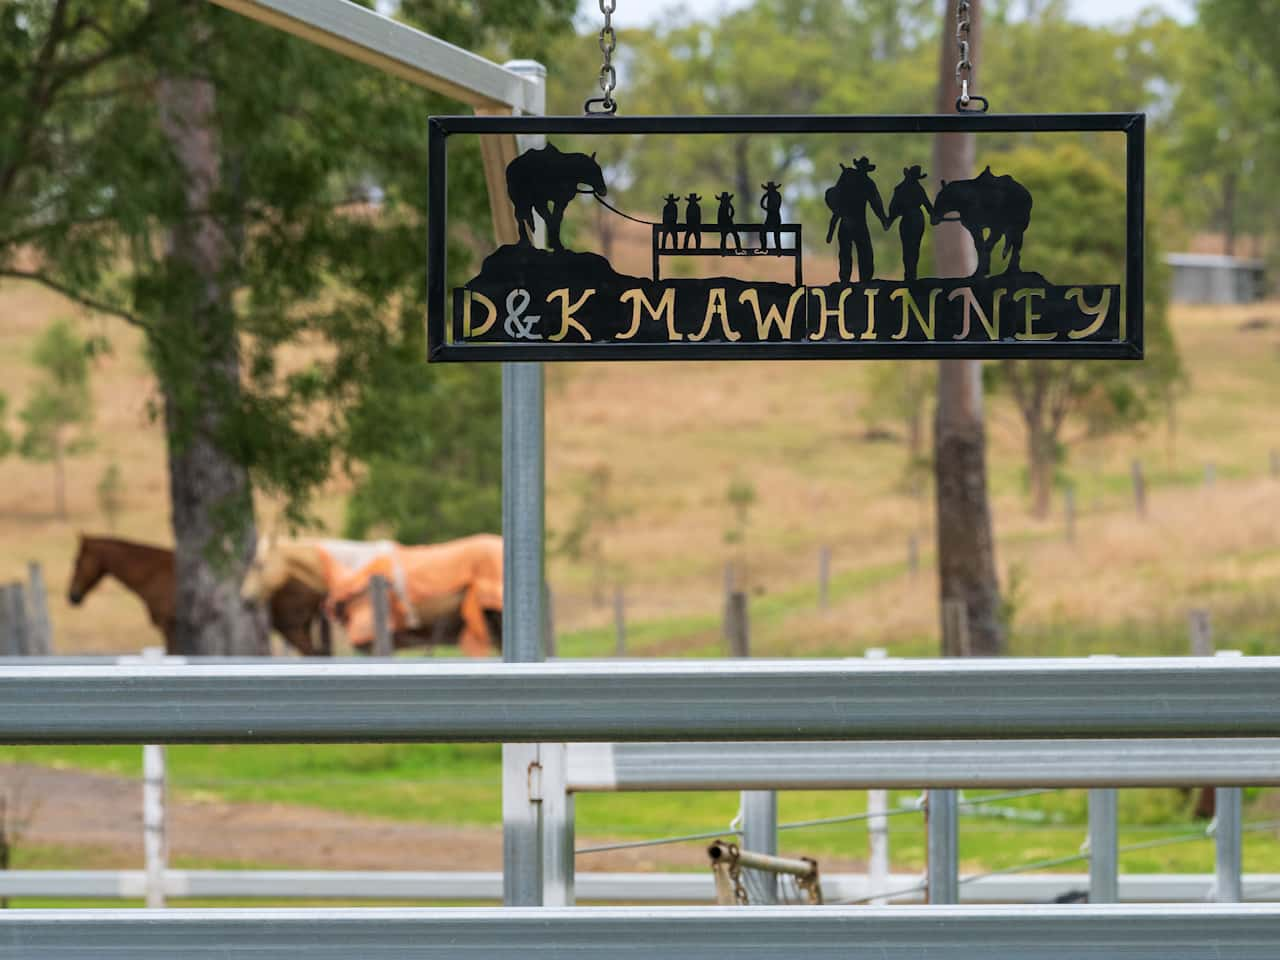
671	197
863	164
726	195
770	185
913	172
693	196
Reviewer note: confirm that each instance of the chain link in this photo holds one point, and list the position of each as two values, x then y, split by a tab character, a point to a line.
964	67
608	76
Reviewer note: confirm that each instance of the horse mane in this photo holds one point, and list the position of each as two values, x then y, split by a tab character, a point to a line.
120	543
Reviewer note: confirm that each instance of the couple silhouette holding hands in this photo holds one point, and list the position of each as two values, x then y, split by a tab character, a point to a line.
848	200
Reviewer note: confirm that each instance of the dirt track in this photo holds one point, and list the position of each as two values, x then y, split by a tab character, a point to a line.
103	814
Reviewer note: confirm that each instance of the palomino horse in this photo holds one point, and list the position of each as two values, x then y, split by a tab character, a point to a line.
148	572
323	564
436	588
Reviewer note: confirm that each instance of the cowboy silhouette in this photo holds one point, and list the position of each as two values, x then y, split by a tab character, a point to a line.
724	220
910	202
693	222
848	200
771	203
670	215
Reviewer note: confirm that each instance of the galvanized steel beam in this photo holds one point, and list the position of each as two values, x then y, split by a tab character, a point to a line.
591	886
603	767
741	700
1182	932
393	47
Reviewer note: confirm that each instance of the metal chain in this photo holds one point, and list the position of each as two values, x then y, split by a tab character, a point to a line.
608	76
964	67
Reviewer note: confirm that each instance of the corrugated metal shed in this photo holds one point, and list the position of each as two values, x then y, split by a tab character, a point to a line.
1215	278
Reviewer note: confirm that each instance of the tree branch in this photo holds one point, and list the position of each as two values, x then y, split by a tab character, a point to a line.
71	293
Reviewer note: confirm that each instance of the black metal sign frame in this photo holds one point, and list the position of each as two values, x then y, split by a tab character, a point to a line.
439	319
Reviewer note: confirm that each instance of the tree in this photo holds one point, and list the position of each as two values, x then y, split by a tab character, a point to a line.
59	403
153	169
596	515
966	546
111	493
1080	233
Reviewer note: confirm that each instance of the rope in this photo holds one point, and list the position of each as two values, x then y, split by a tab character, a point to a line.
600	200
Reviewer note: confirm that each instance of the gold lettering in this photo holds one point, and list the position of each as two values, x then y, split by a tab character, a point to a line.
870	333
837	312
1099	313
773	316
971	303
716	306
467	330
567	312
666	307
1031	315
909	306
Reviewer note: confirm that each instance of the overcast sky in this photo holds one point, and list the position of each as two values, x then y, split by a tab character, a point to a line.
1092	11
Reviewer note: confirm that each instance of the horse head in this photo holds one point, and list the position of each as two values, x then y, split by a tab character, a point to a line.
88	569
267	571
947	201
589	173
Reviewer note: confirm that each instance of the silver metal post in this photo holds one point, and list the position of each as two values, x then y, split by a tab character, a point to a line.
1104	879
1227	886
760	835
943	847
878	824
155	841
557	826
523	480
380	598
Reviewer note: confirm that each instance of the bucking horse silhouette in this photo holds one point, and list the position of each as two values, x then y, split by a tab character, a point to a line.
546	180
989	207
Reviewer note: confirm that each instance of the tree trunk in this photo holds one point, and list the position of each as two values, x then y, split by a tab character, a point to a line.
1040	460
966	547
1229	215
197	355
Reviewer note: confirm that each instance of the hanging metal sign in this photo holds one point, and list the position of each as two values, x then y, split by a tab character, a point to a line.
631	250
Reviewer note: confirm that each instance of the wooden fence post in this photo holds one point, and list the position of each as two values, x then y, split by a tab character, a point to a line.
737	625
1201	627
955	628
8	646
1139	489
824	576
15	601
40	631
380	597
619	622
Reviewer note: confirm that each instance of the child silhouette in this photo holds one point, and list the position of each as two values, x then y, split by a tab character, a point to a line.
693	222
670	216
910	202
724	220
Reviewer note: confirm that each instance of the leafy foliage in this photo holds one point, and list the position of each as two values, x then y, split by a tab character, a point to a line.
60	402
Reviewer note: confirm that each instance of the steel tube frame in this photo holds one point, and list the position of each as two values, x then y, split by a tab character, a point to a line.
532	702
1229	852
760	836
916	764
591	886
362	34
942	839
1182	932
1104	868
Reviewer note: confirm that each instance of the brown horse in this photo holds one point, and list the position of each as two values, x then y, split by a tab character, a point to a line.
148	571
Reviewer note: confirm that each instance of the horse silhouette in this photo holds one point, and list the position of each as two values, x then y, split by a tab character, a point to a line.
545	180
989	207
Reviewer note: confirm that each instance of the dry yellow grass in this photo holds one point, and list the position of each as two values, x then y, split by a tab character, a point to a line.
674	435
